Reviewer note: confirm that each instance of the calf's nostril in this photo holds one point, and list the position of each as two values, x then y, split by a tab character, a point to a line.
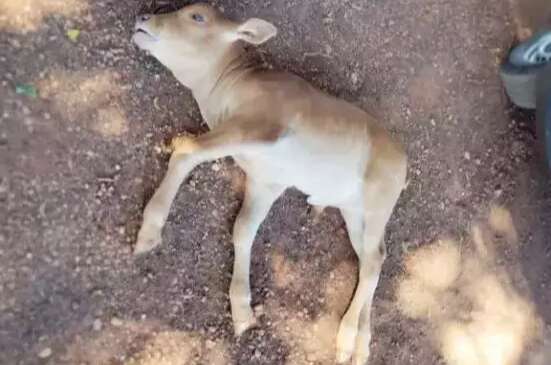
144	17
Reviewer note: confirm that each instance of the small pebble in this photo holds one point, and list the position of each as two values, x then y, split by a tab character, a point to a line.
45	353
210	344
116	322
97	325
259	310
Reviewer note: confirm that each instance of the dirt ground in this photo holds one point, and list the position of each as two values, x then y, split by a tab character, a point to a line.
468	279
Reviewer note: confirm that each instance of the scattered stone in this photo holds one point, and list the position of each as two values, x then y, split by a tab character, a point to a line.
45	353
116	322
355	78
259	310
257	354
209	344
97	325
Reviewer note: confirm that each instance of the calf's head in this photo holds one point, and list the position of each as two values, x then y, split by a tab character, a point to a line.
196	37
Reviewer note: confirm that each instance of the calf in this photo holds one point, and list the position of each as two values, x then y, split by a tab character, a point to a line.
283	133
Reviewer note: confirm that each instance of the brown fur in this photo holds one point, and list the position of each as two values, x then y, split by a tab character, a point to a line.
283	132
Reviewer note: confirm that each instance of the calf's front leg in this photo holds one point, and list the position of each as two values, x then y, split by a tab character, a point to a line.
157	210
232	137
259	198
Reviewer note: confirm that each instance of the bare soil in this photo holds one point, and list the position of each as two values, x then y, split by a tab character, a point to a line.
79	162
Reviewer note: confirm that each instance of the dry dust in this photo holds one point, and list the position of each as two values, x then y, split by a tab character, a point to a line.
529	16
144	343
108	343
28	15
180	348
477	315
92	99
79	162
311	340
427	88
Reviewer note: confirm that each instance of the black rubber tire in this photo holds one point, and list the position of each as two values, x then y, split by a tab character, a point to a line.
520	84
527	54
543	113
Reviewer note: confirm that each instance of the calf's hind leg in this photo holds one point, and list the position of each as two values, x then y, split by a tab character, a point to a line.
366	229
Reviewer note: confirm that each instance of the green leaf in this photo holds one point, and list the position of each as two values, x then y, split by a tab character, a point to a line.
27	90
73	34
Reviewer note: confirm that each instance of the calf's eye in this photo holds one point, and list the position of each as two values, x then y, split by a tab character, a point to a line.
198	18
